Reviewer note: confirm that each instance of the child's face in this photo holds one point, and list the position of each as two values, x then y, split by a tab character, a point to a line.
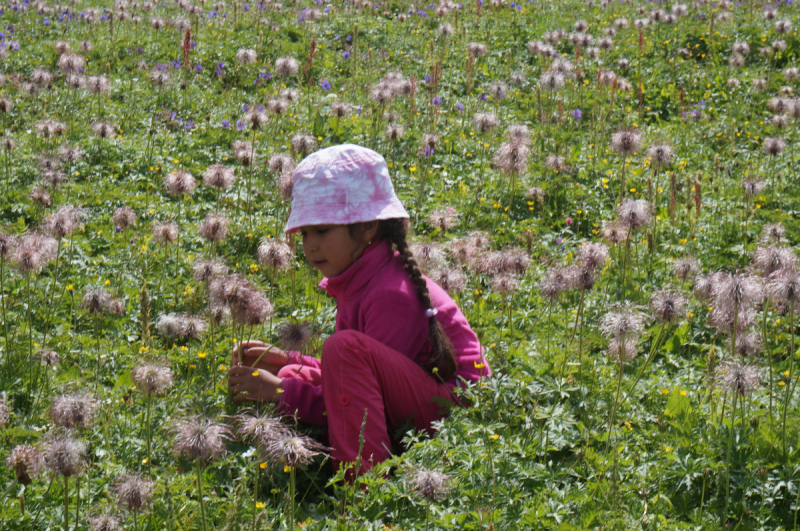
331	248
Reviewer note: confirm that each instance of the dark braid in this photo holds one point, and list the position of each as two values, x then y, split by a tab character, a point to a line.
442	362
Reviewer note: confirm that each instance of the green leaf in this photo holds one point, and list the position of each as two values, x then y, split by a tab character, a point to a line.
678	403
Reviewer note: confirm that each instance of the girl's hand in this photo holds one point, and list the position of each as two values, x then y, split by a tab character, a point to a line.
272	358
247	383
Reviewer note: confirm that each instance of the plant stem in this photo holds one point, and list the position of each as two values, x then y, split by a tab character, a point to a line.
791	376
200	491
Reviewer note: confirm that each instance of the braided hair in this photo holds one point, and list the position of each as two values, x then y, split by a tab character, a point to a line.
442	361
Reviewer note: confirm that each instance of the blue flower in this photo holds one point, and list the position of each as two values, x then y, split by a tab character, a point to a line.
427	79
359	110
326	86
240	125
176	63
246	8
559	240
349	38
46	22
199	68
437	101
226	124
576	114
483	97
459	107
346	55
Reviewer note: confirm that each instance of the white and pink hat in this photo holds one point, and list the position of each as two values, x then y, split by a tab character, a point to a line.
341	185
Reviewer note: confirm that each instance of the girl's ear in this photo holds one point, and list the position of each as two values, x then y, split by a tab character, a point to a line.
370	229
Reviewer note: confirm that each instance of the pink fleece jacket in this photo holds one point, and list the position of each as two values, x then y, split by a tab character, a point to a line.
375	296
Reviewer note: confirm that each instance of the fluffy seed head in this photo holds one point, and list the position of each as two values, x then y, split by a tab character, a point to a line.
449	279
286	66
292	450
219	177
303	144
340	109
275	254
34	252
72	411
623	349
477	49
133	492
592	255
484	121
430	484
774	232
165	233
624	323
105	522
199	439
64	454
443	218
206	270
634	213
214	228
152	378
771	259
736	291
104	129
660	155
260	429
124	218
519	134
64	222
668	306
785	287
179	183
685	268
556	281
26	461
626	142
739	377
246	56
774	146
296	336
512	158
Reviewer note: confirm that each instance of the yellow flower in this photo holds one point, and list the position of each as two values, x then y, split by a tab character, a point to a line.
222	367
260	505
144	461
184	348
412	169
254	373
69	288
287	468
495	437
479	365
683	393
202	355
263	465
665	391
107	282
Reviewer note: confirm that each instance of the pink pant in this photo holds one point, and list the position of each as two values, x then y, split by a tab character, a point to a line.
359	373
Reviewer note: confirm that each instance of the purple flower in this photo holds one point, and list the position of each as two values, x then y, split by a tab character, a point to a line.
240	125
459	107
176	63
46	22
437	101
576	114
427	80
226	124
326	85
199	68
483	97
359	110
559	241
349	38
212	14
246	8
346	55
139	49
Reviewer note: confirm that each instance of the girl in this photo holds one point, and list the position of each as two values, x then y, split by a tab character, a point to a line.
401	343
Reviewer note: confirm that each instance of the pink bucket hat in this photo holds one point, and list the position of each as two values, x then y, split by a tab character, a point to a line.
341	185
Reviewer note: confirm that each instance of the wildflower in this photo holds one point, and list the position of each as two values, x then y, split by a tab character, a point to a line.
160	77
257	119
626	142
152	378
50	128
54	178
246	56
4	413
394	132
274	253
774	146
791	74
64	454
748	344
735	291
105	522
443	218
40	196
477	49
72	411
243	151
296	336
8	144
783	27
704	286
41	77
97	300
512	157
498	90
556	281
165	233
592	255
133	492
668	306
26	461
214	228
206	270
685	268
581	277
70	153
62	47
64	222
171	326
97	85
449	279
445	30
563	67
623	349
340	109
34	252
430	484
773	259
179	183
103	130
625	323
660	155
773	232
785	287
69	63
634	213
778	105
552	81
260	429
484	121
779	121
429	143
505	283
50	357
293	450
427	254
199	439
303	144
739	377
286	66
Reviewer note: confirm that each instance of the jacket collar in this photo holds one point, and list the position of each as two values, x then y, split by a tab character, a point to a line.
352	280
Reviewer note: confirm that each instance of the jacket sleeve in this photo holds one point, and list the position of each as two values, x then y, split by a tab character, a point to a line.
396	318
303	399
